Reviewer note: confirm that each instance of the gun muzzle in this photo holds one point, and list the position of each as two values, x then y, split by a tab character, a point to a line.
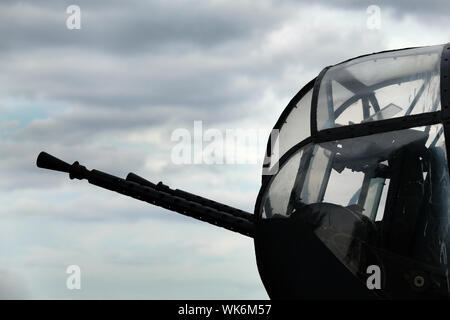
75	170
47	161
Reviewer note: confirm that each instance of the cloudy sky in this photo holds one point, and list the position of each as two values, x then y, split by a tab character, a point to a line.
112	93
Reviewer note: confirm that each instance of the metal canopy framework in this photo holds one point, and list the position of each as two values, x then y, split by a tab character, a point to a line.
367	128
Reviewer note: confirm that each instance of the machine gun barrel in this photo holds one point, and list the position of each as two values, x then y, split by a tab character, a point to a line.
191	197
160	195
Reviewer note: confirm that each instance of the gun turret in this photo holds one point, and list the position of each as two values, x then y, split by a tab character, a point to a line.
157	194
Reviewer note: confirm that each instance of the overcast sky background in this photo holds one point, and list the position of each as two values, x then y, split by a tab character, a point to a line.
111	94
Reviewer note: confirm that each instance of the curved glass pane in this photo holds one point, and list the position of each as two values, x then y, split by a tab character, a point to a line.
380	86
296	127
297	124
276	199
378	200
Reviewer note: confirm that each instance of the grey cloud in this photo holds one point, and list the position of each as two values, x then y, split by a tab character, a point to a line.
81	125
215	80
400	8
140	26
204	80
